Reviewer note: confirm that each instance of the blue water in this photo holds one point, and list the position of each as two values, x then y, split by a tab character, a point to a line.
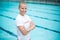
45	16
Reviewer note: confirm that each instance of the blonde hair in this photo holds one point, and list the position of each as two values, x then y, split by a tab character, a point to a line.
21	2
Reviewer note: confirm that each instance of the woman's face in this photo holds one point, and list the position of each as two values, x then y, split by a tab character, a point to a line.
22	9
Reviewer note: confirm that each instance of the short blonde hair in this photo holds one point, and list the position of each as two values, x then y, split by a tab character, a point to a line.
22	3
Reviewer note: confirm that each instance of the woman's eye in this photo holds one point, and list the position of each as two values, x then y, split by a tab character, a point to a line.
25	8
22	8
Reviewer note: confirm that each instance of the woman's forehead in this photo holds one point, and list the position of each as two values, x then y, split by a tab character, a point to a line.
22	5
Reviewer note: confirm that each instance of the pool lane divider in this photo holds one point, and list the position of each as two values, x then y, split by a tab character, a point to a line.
8	32
47	29
38	17
44	18
35	25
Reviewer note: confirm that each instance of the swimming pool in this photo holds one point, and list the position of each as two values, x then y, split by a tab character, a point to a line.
45	17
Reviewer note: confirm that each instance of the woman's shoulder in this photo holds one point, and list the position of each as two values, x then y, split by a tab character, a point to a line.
28	16
18	16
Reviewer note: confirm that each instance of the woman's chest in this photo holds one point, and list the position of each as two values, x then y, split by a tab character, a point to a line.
26	22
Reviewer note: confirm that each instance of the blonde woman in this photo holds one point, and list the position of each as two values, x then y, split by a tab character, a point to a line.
24	23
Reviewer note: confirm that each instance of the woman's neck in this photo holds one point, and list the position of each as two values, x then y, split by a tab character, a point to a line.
21	14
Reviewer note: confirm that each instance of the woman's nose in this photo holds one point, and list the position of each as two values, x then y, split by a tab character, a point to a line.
24	9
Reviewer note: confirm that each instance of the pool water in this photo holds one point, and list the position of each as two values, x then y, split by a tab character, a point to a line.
46	18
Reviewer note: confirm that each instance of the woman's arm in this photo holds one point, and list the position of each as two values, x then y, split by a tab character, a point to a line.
32	26
23	30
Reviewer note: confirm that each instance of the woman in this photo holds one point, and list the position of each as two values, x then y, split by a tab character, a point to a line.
24	23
